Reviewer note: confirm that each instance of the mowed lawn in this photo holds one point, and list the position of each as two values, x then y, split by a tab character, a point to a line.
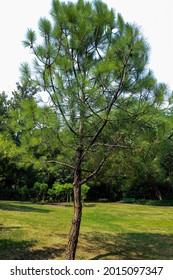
108	231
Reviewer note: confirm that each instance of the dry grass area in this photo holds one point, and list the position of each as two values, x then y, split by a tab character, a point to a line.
108	231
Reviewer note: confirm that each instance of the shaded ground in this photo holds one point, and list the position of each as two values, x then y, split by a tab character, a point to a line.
22	208
22	250
131	246
100	247
108	231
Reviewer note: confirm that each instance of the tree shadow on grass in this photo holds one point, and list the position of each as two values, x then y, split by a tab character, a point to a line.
23	250
3	228
130	246
22	208
47	253
10	249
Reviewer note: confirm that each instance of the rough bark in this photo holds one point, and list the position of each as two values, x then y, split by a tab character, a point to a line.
75	227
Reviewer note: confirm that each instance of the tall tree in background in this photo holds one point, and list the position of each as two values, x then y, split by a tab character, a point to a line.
90	61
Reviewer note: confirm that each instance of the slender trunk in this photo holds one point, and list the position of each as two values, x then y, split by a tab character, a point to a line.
158	193
155	189
75	227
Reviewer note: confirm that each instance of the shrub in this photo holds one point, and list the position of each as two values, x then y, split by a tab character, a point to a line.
24	192
40	190
84	191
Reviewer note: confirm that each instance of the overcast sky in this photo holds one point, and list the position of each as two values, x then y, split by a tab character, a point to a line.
154	17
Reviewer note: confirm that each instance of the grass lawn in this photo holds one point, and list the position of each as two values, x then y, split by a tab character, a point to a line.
108	231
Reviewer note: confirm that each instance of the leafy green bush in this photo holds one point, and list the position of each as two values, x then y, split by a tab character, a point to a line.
84	190
40	190
63	192
24	192
60	192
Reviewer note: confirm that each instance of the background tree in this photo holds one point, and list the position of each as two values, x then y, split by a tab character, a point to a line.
27	130
90	62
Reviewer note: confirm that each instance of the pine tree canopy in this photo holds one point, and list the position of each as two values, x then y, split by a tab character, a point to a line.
86	57
92	63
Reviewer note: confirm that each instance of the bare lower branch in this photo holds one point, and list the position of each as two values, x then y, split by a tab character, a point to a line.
61	163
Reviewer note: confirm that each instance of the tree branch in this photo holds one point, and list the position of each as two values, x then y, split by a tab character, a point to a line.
58	104
61	163
109	107
96	170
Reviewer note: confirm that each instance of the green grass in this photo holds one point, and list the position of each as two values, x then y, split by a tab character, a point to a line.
108	231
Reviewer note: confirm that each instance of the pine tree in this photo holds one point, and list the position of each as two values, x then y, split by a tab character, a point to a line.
90	61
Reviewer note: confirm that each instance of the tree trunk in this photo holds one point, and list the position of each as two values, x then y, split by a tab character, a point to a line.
75	227
158	193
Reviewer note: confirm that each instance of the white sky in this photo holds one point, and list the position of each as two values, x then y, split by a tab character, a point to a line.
154	17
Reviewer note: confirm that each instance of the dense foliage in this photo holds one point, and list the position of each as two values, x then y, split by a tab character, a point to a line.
141	167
